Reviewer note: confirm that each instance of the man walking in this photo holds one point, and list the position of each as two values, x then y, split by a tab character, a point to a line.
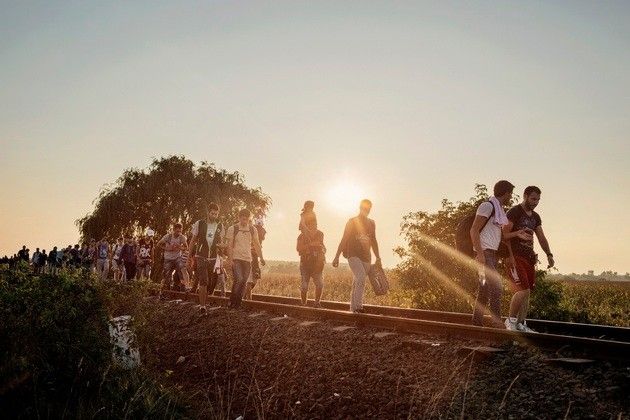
172	244
145	255
207	240
522	263
485	234
357	244
129	258
35	261
102	261
241	237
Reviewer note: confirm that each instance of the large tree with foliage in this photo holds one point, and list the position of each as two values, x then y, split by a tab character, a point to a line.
439	276
171	189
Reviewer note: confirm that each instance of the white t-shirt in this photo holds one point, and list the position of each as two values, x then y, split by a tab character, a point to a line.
490	235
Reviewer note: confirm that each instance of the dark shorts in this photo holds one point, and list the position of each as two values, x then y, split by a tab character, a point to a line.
526	272
204	270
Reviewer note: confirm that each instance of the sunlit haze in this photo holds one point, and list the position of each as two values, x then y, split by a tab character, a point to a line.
404	103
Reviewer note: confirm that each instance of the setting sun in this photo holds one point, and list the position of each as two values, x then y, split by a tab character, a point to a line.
344	197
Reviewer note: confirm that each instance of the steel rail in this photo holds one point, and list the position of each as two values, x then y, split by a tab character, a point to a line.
552	327
594	348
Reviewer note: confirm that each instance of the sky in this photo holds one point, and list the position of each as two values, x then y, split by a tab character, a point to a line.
405	103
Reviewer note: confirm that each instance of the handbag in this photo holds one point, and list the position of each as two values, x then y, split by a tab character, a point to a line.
378	280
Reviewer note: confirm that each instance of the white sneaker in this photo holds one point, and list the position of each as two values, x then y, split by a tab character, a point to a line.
510	324
524	328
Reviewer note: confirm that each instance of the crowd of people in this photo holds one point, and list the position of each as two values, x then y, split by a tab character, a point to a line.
126	259
200	260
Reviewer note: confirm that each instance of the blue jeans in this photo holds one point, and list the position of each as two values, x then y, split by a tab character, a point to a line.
241	271
360	270
489	295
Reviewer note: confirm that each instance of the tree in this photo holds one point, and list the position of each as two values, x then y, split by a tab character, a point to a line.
171	189
441	277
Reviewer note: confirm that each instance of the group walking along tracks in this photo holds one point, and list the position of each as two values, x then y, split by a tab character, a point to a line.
593	341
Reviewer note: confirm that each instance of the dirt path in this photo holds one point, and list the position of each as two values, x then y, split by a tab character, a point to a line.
238	364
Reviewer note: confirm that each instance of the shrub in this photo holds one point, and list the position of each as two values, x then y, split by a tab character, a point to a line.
55	353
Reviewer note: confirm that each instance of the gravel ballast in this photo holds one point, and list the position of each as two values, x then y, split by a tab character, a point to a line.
232	363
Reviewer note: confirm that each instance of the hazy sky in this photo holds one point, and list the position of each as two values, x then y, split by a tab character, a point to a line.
404	102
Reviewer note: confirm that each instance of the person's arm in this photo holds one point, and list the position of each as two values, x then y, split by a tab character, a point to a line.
230	249
162	242
521	234
257	247
544	244
475	236
191	246
342	244
374	243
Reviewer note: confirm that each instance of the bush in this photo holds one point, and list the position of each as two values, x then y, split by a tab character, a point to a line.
55	353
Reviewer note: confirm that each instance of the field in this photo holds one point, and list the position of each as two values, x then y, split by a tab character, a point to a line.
597	302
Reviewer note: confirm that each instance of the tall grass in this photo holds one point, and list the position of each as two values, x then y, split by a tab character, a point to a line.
576	301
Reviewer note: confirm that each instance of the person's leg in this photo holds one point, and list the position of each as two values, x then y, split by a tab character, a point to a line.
212	276
516	304
255	267
495	290
130	271
319	287
358	283
236	284
518	276
106	270
242	270
201	276
530	275
522	314
304	275
183	274
167	273
481	304
195	276
140	267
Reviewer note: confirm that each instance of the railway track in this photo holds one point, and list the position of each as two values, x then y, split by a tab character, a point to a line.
551	327
394	319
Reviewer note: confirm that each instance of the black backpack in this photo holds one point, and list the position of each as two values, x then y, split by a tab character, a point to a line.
463	242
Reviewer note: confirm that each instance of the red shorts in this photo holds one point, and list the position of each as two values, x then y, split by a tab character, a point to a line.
526	272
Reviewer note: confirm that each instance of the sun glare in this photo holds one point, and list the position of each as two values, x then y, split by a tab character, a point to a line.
344	197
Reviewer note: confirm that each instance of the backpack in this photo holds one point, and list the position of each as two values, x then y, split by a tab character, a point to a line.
236	230
262	232
463	242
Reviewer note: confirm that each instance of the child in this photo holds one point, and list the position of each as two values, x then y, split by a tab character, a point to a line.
308	219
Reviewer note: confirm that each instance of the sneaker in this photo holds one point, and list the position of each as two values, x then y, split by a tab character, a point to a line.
510	324
359	311
524	328
317	305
